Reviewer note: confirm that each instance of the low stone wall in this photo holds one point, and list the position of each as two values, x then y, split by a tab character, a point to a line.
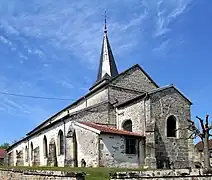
177	174
12	174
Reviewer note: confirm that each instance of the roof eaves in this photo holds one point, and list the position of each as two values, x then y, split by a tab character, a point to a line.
122	134
167	87
131	100
79	124
104	80
16	143
131	68
66	108
149	77
69	115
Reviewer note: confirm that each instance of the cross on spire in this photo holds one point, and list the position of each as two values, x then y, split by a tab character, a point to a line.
105	28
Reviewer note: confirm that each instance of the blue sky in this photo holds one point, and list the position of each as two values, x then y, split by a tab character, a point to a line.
51	48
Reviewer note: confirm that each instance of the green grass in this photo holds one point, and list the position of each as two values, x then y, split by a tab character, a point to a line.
99	173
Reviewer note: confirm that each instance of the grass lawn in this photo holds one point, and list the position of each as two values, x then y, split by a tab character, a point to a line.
99	173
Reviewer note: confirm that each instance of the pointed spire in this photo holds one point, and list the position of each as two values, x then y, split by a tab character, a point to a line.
107	64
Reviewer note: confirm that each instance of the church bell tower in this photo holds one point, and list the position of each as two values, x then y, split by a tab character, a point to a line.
107	66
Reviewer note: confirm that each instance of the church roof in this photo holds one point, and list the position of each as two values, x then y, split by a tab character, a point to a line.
110	129
2	153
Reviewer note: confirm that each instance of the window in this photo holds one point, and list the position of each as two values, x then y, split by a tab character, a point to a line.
130	145
127	125
45	150
26	154
31	151
171	126
210	153
60	143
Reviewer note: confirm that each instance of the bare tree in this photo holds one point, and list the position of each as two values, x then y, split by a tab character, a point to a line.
203	133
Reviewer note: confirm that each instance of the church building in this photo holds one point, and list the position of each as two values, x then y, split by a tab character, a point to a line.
125	120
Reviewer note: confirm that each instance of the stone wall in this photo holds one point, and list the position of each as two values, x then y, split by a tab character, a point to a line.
174	150
177	174
134	79
120	95
100	113
134	112
6	174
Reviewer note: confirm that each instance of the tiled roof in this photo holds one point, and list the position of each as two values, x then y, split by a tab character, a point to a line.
110	129
199	145
2	153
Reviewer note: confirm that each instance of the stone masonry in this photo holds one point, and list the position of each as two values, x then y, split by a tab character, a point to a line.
10	174
170	149
178	174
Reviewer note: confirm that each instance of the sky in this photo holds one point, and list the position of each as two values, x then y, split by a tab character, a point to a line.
51	49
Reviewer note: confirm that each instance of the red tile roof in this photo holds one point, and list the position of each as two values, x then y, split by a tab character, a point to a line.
2	153
110	129
199	145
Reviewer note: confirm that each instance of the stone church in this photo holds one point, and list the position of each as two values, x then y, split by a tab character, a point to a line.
125	120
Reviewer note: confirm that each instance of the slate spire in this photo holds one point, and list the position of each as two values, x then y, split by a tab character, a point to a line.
107	64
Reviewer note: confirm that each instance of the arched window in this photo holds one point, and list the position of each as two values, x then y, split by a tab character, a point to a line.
127	125
45	149
26	154
60	141
31	151
171	127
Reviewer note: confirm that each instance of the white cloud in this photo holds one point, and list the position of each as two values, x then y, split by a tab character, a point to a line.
5	41
162	48
167	12
48	29
76	27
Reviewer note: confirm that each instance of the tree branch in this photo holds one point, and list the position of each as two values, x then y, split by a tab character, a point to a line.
206	120
202	125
